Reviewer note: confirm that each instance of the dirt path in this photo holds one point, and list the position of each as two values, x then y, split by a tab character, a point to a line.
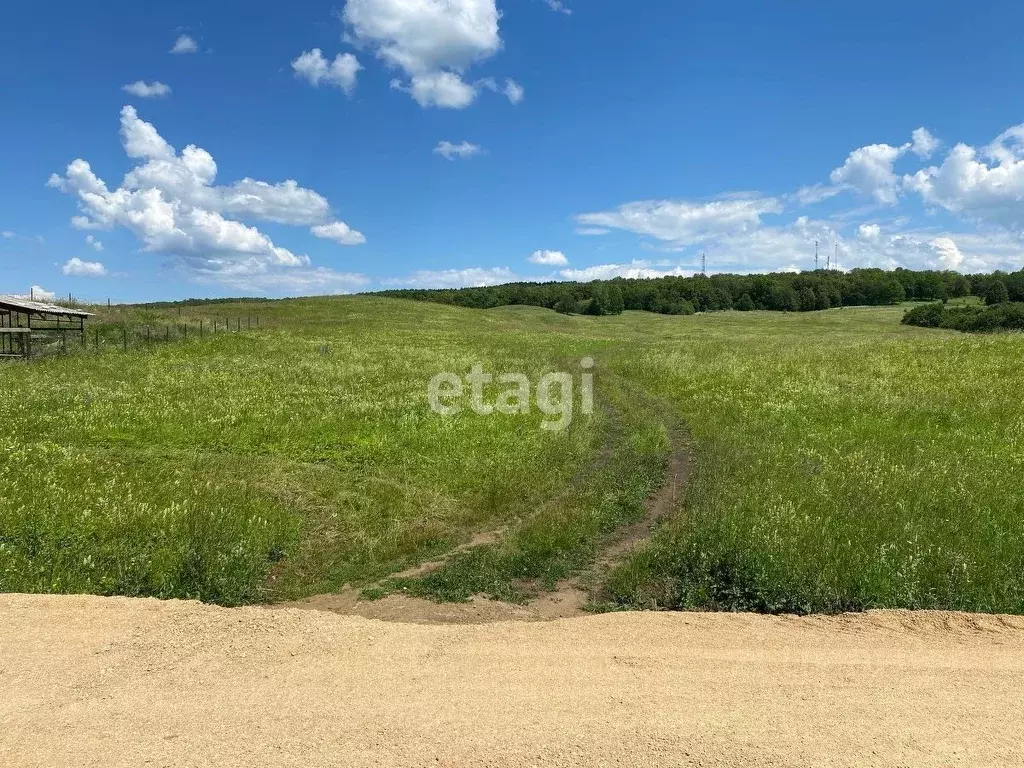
91	681
569	598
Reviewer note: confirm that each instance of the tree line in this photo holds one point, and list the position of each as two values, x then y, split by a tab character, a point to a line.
780	291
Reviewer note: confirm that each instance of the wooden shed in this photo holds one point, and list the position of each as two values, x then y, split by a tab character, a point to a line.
22	319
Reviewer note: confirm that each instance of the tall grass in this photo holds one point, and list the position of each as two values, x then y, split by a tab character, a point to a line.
843	463
272	464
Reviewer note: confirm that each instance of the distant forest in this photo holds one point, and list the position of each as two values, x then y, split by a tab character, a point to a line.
781	291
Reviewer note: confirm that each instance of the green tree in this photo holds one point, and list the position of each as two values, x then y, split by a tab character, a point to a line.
808	300
997	293
598	300
616	304
745	303
565	306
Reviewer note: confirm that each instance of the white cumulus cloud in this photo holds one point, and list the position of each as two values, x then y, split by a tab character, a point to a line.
869	170
438	89
145	90
37	293
339	232
549	258
295	282
96	244
682	222
923	144
184	44
869	232
514	91
450	151
433	42
985	185
637	269
474	277
315	69
77	268
170	203
559	6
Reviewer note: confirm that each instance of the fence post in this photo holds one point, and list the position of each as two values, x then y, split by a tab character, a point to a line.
124	336
200	329
97	339
185	328
149	336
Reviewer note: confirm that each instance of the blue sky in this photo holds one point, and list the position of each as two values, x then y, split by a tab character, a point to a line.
365	144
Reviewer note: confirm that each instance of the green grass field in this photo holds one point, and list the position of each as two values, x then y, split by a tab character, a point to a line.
842	461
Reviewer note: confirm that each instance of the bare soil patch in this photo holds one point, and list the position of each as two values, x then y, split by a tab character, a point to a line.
113	682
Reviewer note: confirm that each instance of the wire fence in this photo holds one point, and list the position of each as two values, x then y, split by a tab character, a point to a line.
106	336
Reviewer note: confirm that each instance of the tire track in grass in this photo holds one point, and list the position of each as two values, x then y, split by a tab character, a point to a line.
404	598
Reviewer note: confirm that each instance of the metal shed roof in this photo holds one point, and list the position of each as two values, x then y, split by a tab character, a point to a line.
19	304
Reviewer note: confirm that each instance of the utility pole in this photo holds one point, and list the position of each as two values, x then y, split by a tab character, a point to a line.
828	262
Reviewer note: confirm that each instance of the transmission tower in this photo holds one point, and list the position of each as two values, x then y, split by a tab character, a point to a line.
815	255
704	264
837	256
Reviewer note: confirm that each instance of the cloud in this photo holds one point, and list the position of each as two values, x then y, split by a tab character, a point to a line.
768	248
96	244
438	89
298	282
170	203
638	269
559	6
8	235
75	267
592	231
869	170
923	144
145	90
965	184
816	193
450	151
681	222
549	258
433	42
512	90
184	44
78	222
37	293
339	232
341	73
869	232
475	277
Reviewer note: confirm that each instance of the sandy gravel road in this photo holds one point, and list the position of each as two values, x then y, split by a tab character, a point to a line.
87	681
